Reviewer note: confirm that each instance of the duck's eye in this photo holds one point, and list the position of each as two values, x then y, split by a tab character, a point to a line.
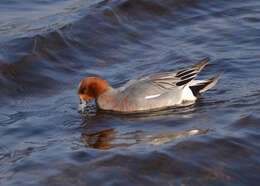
82	91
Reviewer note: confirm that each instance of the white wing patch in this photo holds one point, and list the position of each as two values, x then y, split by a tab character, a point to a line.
152	96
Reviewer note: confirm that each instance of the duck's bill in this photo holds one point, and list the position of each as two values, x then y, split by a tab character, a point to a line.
82	105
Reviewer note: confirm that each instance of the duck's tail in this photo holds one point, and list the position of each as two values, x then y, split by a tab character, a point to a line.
188	74
200	86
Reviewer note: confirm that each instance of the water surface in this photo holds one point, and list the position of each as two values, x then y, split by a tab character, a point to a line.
47	48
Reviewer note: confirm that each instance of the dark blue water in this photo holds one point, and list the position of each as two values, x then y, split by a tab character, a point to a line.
48	47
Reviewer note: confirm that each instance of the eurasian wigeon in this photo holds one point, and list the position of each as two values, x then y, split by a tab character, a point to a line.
151	92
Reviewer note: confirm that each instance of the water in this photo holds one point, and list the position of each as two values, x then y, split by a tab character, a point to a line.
48	47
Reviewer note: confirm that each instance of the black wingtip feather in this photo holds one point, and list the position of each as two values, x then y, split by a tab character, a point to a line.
184	82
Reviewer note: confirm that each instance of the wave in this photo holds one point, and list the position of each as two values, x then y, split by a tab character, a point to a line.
44	61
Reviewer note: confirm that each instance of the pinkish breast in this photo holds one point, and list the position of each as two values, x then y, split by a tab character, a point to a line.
110	102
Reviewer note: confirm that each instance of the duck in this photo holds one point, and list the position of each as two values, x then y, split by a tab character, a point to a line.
151	92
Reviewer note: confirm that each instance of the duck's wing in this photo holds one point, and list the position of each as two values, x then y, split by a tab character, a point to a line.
170	80
161	83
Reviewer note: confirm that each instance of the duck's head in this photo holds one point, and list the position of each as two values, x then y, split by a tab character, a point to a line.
91	88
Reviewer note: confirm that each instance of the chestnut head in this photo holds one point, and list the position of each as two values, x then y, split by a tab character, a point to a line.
91	88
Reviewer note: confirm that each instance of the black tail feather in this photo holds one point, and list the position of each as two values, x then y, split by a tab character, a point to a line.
202	87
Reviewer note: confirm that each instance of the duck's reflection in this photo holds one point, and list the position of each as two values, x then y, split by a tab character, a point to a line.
110	138
102	140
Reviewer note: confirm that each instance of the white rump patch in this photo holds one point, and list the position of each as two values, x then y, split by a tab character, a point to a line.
152	96
187	94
